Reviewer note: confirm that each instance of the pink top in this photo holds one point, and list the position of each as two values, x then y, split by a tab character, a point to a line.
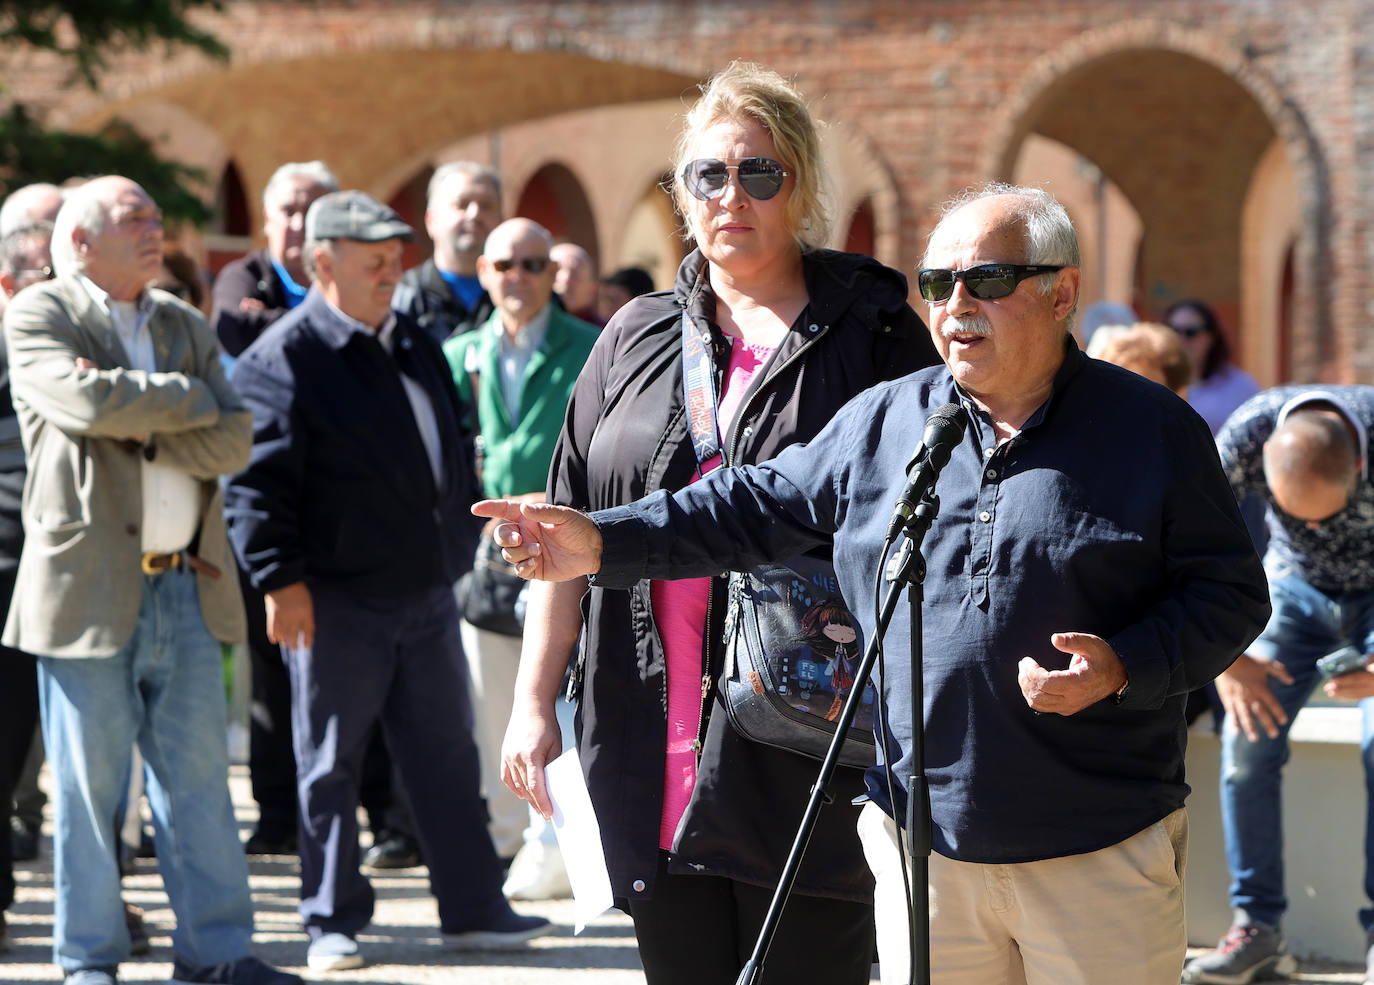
680	614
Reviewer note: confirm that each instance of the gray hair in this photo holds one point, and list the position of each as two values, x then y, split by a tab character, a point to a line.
1049	234
84	208
15	214
308	255
317	172
17	245
468	169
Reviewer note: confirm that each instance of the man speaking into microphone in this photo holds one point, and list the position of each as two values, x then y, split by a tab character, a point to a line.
1087	569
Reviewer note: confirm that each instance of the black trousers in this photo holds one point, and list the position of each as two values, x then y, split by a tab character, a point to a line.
701	929
18	714
271	757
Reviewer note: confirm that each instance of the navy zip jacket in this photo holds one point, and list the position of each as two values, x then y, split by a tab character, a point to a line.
1107	514
339	489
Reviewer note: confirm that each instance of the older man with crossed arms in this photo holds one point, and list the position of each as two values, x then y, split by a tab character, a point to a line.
1088	568
124	589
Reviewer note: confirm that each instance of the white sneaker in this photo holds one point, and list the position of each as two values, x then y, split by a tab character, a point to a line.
333	952
537	873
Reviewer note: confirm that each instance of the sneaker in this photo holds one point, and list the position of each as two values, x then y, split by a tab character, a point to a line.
392	850
90	976
139	945
506	933
1245	954
333	952
537	873
244	971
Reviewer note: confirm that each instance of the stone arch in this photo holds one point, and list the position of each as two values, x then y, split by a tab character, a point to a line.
555	197
1190	80
859	174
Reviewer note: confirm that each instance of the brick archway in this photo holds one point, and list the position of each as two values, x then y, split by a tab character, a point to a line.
1172	116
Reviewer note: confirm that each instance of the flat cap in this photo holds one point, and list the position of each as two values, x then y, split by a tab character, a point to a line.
354	215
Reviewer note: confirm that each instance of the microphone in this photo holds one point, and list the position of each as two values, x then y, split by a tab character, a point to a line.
944	430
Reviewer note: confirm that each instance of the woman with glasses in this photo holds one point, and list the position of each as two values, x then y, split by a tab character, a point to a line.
777	333
1218	386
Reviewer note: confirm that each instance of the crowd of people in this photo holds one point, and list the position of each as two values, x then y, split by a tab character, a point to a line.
292	460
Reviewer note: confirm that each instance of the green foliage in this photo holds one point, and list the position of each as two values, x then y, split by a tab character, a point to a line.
84	31
28	153
95	27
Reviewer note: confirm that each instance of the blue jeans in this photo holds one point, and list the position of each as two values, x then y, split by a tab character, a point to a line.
1306	624
165	691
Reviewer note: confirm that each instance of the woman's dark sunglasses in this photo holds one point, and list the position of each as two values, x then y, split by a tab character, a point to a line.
760	177
531	265
986	282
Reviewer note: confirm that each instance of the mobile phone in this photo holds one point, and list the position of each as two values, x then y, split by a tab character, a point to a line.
1341	661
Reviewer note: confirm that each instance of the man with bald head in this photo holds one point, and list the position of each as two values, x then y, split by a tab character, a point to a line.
1305	451
28	206
518	372
1088	568
125	588
576	281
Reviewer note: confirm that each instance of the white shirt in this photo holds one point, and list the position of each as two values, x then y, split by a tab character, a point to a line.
515	355
171	497
420	406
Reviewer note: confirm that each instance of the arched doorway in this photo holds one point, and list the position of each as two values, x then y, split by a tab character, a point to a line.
554	198
1181	133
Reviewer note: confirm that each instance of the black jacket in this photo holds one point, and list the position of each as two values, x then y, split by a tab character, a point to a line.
339	488
250	276
626	435
426	297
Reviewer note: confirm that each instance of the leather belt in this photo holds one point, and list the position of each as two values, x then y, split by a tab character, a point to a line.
156	564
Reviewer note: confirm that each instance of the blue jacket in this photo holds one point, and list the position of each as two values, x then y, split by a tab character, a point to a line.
339	489
1107	514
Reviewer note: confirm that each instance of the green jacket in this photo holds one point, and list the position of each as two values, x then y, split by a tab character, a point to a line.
516	454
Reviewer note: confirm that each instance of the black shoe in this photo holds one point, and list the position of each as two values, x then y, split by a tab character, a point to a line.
139	945
269	843
23	841
244	971
392	850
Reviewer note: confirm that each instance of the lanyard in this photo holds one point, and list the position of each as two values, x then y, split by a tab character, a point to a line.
699	392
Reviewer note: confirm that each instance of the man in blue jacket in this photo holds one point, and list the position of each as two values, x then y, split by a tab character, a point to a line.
1088	568
351	519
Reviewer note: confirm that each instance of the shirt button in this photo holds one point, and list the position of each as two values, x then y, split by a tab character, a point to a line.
987	452
131	530
638	886
985	516
991	473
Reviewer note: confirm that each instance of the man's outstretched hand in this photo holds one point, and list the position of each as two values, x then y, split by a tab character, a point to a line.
544	542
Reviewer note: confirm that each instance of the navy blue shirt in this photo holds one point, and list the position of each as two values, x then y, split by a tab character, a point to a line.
1334	556
1107	514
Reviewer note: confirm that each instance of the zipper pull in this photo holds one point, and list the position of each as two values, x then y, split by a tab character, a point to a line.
705	686
696	749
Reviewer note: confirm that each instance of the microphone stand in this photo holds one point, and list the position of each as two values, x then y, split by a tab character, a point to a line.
907	568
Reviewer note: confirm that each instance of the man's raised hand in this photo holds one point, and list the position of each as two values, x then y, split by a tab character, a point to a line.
544	542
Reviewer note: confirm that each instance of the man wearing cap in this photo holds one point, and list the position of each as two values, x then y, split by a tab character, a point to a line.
351	519
1305	451
123	590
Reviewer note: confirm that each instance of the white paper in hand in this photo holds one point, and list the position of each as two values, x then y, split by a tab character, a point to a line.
579	838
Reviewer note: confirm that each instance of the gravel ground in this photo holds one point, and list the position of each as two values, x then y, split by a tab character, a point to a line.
402	944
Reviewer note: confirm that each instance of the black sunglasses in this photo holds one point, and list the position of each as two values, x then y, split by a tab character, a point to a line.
531	265
986	282
760	177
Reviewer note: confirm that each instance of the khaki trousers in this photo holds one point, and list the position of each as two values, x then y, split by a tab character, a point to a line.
493	659
1110	917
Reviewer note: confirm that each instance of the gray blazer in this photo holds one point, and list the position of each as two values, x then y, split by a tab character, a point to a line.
79	585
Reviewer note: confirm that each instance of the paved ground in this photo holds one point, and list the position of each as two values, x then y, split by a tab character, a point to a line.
401	944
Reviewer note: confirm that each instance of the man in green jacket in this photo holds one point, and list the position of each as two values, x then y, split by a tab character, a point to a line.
518	371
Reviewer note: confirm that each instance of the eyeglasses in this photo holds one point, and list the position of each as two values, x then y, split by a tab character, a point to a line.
760	177
531	265
1188	331
986	282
